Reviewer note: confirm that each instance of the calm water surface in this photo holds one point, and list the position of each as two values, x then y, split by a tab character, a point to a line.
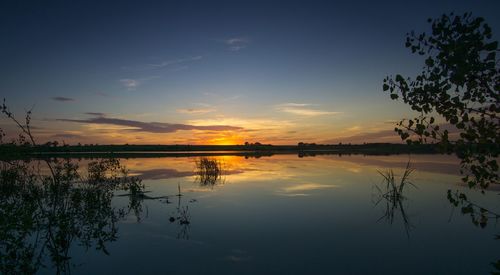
289	215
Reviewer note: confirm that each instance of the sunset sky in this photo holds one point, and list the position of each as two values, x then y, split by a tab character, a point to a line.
207	72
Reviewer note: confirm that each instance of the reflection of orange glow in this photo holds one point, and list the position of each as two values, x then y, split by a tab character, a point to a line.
293	176
233	162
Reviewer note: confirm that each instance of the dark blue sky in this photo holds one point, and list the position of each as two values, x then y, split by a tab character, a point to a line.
251	64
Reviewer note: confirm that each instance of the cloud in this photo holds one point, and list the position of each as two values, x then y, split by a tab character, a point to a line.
388	135
236	43
130	83
95	114
308	112
291	104
195	110
249	124
66	135
302	109
151	127
164	64
99	93
379	136
353	128
175	61
62	99
236	40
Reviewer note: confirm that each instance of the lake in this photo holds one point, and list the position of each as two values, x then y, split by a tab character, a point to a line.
280	214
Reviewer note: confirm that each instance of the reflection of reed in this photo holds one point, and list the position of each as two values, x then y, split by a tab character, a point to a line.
209	171
393	196
182	216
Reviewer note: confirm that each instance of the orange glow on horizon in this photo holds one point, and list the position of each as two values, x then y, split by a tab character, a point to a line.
226	140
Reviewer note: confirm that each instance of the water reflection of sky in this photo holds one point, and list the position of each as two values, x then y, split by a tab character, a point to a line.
289	215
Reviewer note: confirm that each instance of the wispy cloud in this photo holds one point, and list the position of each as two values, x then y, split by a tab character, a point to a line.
302	109
195	110
382	135
151	127
291	104
250	124
95	114
99	93
237	43
379	136
130	83
354	128
173	64
66	136
62	99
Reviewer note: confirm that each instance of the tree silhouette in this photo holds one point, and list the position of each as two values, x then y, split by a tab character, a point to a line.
459	83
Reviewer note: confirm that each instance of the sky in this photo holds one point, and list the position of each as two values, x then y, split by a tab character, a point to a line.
212	72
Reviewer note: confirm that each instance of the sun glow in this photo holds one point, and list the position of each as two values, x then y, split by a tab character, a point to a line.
226	140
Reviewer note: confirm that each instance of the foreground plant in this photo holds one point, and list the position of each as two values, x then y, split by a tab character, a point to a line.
458	89
49	205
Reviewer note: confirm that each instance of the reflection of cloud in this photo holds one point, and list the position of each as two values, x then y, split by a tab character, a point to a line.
152	127
432	165
62	99
302	109
155	174
307	187
238	255
168	173
234	258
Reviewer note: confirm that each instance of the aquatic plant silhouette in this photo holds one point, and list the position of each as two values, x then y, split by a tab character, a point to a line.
209	171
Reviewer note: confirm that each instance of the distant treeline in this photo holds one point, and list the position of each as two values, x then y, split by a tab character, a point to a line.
303	149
